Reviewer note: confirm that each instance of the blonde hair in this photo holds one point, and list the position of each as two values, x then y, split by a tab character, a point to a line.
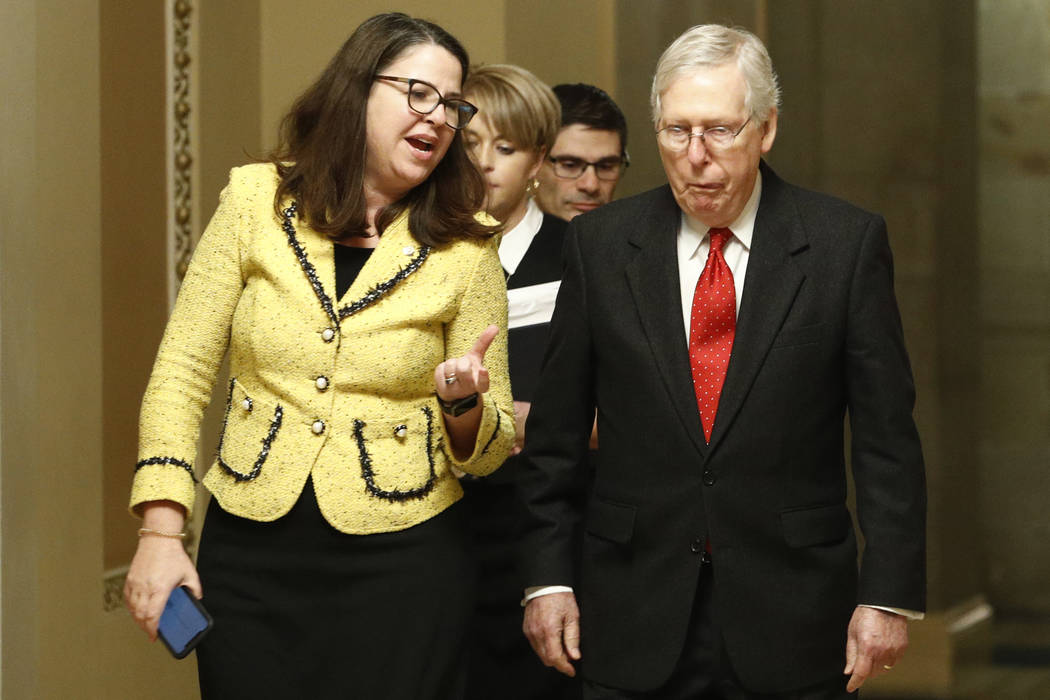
712	45
516	104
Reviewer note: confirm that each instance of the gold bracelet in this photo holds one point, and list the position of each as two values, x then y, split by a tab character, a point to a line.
161	533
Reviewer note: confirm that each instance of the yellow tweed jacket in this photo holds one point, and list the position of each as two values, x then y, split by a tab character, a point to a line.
340	389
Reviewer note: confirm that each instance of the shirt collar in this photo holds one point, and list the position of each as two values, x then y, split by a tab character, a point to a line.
515	242
691	233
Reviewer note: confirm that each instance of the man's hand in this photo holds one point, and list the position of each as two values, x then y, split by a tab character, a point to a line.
875	643
552	625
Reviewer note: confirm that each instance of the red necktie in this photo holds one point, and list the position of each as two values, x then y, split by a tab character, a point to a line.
712	325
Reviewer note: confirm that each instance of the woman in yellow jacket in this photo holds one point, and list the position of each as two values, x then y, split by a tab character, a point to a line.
364	310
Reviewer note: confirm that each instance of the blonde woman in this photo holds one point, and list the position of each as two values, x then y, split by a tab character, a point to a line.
517	123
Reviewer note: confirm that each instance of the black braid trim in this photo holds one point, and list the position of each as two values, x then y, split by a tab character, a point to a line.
173	461
494	434
369	475
377	292
308	267
373	295
275	425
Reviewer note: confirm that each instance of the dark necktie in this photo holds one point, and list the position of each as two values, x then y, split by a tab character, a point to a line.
712	325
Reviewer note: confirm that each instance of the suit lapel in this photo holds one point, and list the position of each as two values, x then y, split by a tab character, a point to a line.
773	279
396	257
653	279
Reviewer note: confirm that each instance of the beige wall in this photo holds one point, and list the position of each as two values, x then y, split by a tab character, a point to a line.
134	216
1014	318
56	641
298	40
882	106
51	346
565	42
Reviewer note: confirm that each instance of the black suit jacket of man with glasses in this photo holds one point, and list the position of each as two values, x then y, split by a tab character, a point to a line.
818	341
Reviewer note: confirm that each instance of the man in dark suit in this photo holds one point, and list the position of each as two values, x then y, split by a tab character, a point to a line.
723	327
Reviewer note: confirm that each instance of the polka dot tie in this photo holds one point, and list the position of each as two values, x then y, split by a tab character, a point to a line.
712	325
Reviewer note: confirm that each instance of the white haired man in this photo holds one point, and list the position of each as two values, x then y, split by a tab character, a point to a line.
723	326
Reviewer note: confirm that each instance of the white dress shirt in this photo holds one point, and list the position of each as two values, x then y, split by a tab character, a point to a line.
515	242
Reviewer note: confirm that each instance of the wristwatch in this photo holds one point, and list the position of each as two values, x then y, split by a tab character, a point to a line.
457	407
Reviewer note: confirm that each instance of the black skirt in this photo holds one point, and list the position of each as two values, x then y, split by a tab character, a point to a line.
304	611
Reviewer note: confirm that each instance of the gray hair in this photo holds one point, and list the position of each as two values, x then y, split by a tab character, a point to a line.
712	45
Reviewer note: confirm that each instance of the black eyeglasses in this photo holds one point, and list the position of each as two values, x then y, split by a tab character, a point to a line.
424	98
571	168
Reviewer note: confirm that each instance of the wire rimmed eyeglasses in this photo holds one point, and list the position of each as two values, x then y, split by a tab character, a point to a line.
424	98
716	138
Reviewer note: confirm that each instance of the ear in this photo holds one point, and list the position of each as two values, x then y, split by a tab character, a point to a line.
541	155
770	128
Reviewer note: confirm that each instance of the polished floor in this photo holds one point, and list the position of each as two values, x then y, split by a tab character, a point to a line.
1017	665
1013	663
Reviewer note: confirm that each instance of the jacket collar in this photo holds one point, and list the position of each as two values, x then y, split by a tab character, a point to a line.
397	256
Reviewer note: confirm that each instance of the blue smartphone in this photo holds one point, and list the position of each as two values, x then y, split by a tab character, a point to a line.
183	623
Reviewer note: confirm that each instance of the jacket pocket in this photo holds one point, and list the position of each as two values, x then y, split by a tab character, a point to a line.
802	335
807	527
611	521
397	455
249	429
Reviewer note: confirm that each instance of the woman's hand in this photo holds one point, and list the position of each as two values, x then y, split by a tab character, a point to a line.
160	564
460	377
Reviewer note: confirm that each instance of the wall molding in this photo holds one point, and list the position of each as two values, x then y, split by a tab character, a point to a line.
182	142
113	589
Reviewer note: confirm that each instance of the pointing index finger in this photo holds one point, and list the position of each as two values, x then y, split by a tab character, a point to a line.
481	345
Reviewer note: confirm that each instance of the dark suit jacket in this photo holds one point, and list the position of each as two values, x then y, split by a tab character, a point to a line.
818	335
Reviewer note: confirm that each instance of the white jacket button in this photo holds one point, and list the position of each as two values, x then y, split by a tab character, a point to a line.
321	383
318	427
327	335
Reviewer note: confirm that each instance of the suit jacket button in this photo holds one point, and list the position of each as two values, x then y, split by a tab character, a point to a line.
709	477
327	335
318	427
697	546
321	383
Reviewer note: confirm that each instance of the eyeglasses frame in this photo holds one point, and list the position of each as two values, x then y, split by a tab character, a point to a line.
701	136
442	100
625	162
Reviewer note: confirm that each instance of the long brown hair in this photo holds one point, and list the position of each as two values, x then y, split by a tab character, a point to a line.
322	148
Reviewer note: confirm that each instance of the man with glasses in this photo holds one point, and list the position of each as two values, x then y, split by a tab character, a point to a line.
723	326
589	156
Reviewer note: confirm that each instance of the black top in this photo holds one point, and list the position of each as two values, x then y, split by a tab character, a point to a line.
348	263
541	264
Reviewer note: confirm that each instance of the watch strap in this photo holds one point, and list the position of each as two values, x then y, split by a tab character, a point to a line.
457	407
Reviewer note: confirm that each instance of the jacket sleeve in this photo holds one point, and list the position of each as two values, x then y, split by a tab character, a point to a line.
484	302
886	454
558	429
189	359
